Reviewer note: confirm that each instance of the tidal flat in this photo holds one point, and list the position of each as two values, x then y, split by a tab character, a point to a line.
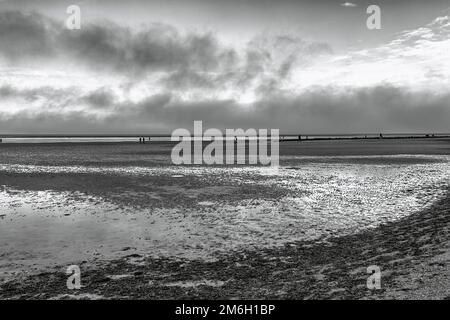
140	227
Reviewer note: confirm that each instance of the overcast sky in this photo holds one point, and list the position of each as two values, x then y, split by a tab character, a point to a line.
153	66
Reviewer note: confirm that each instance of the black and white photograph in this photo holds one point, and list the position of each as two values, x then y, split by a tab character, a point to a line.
224	150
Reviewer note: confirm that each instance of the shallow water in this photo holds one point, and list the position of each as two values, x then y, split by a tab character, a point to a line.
328	196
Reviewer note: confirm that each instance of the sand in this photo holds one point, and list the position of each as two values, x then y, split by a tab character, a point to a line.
412	249
413	254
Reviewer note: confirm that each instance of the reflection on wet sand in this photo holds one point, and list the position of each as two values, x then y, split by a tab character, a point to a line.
116	208
320	199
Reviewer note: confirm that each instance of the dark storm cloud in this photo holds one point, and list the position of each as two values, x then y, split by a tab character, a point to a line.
265	61
159	47
326	110
107	46
25	36
369	110
189	59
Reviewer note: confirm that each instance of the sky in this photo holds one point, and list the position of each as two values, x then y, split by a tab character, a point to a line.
311	67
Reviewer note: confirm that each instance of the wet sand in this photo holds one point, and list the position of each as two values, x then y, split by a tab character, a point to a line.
412	249
413	254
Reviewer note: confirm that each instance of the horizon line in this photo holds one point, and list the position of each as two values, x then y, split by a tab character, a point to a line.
165	135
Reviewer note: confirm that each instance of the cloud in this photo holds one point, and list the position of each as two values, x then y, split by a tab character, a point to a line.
178	60
102	98
328	110
108	46
414	58
25	36
109	78
45	96
348	5
104	46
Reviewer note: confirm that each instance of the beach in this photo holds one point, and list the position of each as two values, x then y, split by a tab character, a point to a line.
140	227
